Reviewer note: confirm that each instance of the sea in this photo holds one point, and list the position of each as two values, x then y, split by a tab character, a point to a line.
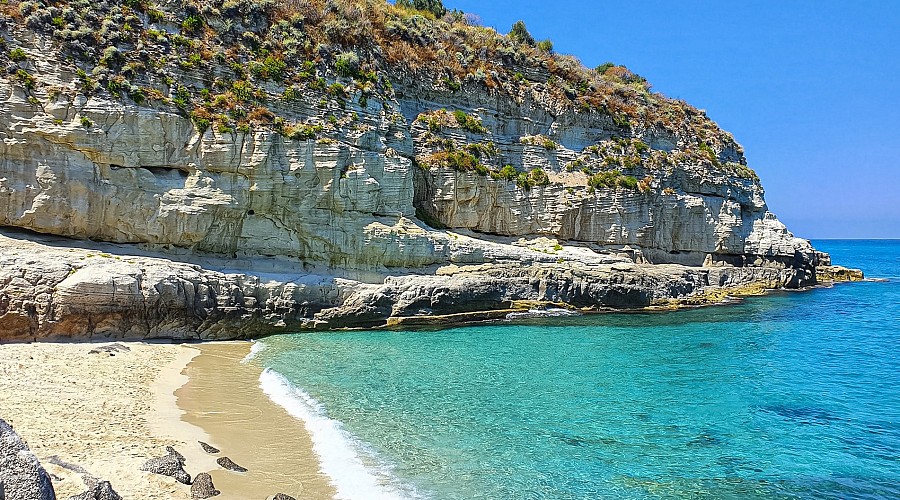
795	395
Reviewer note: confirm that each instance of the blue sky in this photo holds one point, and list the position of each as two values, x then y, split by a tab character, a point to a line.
810	89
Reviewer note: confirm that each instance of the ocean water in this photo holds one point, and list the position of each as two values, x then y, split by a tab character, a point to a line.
793	395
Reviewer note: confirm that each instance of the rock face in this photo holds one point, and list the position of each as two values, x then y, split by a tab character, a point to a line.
323	212
21	475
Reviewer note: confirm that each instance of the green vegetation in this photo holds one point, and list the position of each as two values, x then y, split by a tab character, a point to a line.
192	24
435	7
347	64
469	123
539	177
302	132
232	58
86	122
540	140
17	55
508	172
545	46
520	33
612	179
25	79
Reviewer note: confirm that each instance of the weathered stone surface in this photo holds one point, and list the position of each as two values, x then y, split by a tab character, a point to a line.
203	487
21	475
227	463
171	465
281	496
838	274
186	301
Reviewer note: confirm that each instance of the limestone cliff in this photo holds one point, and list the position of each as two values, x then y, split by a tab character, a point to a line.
393	164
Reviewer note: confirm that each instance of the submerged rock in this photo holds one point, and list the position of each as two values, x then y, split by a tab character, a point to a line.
21	475
171	465
226	463
207	448
203	486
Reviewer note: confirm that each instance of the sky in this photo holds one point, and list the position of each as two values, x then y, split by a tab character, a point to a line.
810	89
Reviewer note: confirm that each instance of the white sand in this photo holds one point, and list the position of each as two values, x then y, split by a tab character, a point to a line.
96	411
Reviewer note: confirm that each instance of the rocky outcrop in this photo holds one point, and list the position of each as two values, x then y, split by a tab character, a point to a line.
832	274
21	475
333	196
104	290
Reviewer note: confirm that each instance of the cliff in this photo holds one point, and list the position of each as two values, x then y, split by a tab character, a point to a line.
340	163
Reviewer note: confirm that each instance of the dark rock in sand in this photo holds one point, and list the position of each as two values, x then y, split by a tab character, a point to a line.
281	496
111	349
21	475
226	463
203	487
179	456
171	465
207	448
101	491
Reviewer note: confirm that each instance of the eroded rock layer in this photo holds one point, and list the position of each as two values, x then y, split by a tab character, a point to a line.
365	195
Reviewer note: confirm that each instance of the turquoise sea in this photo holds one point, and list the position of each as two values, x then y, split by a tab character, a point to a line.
793	395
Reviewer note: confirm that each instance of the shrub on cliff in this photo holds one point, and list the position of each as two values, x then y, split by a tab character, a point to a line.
520	33
612	179
435	7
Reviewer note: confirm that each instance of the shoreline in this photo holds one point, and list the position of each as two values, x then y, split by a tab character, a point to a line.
94	411
223	398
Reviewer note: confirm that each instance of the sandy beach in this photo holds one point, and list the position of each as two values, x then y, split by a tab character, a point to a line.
104	414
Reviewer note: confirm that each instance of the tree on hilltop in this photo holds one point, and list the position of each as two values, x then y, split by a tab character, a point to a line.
436	7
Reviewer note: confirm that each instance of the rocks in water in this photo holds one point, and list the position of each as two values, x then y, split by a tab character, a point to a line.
226	463
203	487
110	349
21	475
101	491
207	448
171	465
837	274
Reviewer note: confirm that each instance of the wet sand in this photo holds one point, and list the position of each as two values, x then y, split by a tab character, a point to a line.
223	398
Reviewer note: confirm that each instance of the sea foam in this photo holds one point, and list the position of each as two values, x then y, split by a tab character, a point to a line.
256	348
354	471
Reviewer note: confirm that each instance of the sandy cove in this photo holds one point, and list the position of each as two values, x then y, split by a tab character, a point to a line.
108	414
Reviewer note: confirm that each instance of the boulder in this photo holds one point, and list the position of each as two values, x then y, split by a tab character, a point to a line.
171	465
21	475
203	487
226	463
